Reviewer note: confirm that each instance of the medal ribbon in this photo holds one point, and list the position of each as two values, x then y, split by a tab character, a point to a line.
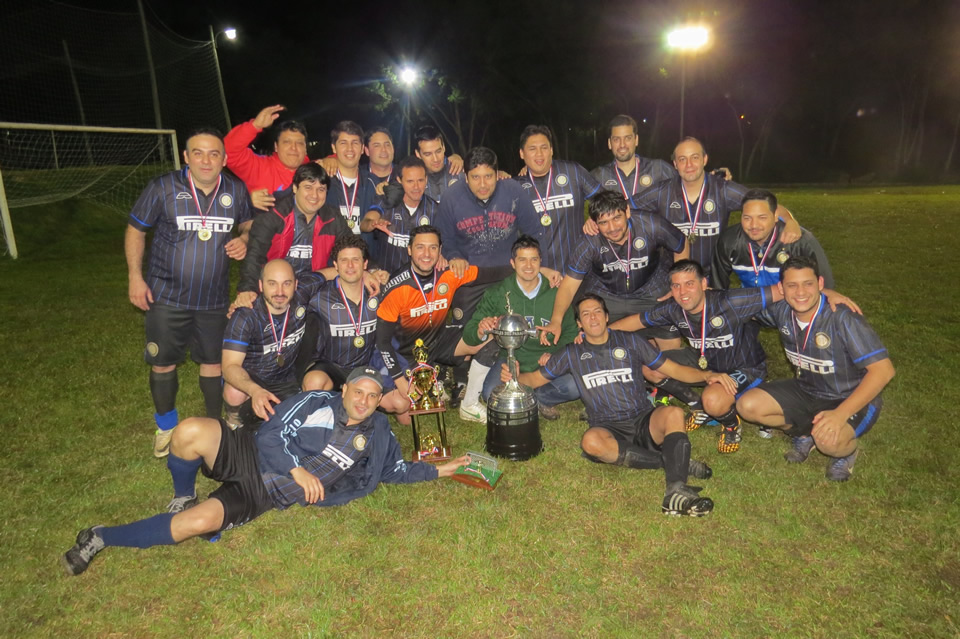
349	201
636	176
283	332
809	327
433	292
543	202
766	252
626	266
196	200
686	205
703	327
355	323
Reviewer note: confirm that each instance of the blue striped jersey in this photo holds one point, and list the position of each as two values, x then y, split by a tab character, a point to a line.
337	332
392	248
840	346
719	199
569	186
184	271
608	375
646	173
362	194
608	262
731	342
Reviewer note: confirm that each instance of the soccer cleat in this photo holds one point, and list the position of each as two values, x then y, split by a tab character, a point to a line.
161	443
180	504
698	418
685	502
765	433
550	413
474	413
801	449
699	469
840	468
659	398
89	543
730	437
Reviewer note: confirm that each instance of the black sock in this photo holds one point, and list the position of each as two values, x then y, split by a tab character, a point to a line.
633	456
676	457
679	390
212	389
729	418
163	388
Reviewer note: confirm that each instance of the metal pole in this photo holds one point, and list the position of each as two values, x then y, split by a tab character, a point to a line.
216	60
53	141
683	90
5	220
76	93
153	73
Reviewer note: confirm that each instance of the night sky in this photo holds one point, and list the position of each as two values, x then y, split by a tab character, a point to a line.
826	90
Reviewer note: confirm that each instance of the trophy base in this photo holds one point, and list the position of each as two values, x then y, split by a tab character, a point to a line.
477	480
514	436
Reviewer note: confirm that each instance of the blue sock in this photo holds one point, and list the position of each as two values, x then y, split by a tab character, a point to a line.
153	531
167	420
184	473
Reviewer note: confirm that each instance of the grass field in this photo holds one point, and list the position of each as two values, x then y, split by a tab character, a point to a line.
561	548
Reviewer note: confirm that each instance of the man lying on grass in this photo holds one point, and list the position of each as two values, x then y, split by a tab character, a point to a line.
309	452
625	429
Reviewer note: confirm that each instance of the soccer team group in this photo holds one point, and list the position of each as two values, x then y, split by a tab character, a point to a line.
345	266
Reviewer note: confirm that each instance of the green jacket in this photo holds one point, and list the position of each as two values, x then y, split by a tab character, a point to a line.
536	311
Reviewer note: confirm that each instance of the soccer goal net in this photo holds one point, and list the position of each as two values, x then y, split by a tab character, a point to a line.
42	163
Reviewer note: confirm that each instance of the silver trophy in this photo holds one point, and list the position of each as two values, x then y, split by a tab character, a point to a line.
513	423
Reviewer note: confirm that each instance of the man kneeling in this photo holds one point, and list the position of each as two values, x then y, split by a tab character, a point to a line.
307	453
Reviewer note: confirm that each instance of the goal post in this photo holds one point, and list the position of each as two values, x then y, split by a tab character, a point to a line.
46	163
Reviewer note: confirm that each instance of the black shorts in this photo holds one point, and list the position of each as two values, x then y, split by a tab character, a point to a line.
745	378
283	388
338	374
242	493
170	330
624	307
799	408
635	431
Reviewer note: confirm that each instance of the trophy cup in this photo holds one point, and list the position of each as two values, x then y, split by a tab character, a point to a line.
513	423
426	399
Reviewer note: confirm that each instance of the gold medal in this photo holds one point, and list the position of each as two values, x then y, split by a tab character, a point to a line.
204	234
702	363
691	237
545	219
358	341
280	361
351	223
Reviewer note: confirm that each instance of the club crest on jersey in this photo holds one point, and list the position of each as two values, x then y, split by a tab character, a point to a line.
226	200
301	311
152	349
458	313
646	180
561	180
639	243
709	206
372	303
782	257
442	289
716	322
822	340
619	353
359	442
586	356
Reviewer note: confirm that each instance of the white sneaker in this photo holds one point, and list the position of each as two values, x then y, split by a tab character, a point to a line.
474	413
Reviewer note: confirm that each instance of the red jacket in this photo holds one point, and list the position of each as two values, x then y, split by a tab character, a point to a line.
256	171
271	237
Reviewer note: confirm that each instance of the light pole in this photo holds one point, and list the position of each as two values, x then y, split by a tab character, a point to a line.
230	34
686	40
408	76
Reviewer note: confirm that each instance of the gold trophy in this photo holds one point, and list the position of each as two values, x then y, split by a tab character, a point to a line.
426	398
